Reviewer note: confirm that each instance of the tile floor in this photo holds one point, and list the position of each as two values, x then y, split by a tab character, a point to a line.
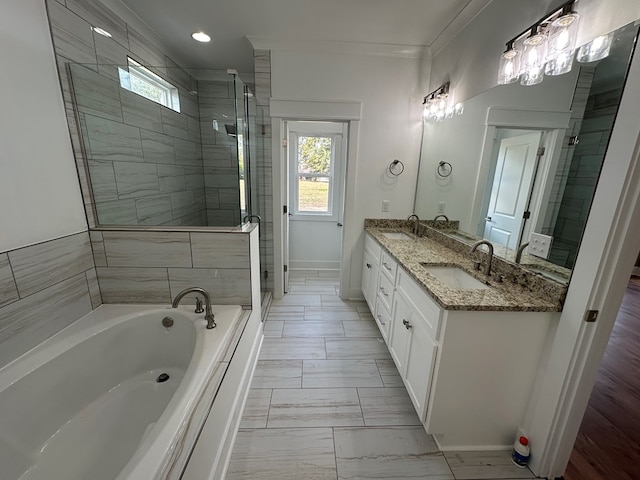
327	402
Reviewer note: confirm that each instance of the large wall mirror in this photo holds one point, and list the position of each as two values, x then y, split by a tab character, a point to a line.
527	159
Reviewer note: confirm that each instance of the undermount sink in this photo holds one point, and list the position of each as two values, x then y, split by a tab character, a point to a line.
397	236
454	277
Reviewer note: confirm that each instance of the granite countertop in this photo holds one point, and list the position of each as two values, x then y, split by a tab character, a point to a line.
507	296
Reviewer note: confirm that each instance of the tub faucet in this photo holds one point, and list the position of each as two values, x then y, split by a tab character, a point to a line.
416	223
208	316
487	267
520	251
446	219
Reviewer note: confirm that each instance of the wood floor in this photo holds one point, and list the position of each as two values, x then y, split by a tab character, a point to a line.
608	443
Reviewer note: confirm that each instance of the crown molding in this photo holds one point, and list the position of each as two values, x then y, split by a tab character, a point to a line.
466	15
348	48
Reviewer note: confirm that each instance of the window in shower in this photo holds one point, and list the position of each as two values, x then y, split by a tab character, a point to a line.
144	82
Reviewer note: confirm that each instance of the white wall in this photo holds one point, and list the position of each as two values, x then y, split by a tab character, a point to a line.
470	60
390	125
39	190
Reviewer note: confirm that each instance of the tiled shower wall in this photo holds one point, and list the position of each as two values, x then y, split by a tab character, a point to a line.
583	175
216	100
152	267
145	160
74	41
262	66
44	288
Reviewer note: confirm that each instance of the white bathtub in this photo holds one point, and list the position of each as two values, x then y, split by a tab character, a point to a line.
85	404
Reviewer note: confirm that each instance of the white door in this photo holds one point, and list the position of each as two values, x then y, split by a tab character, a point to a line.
317	159
511	189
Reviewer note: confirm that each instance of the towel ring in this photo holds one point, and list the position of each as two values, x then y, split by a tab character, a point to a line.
444	169
396	168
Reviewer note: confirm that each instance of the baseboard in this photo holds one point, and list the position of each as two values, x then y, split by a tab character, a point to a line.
314	265
470	448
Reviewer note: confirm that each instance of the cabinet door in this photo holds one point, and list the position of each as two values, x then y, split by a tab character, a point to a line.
370	279
400	335
419	364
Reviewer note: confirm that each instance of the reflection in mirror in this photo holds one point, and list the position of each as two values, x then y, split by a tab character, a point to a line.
165	148
527	160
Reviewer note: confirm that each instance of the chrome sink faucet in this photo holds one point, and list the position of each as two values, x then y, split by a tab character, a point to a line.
416	224
208	316
520	251
487	267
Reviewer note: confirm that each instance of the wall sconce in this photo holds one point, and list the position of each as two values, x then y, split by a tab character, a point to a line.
547	48
438	105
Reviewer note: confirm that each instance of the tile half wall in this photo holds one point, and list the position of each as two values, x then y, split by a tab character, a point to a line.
43	288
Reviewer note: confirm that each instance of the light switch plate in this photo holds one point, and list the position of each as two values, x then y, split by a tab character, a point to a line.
539	245
385	205
441	206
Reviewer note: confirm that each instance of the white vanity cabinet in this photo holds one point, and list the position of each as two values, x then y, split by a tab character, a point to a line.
468	373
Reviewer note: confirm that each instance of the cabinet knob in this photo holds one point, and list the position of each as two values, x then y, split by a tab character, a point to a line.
368	265
386	265
406	324
383	292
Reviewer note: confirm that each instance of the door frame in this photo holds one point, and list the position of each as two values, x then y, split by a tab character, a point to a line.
605	260
292	110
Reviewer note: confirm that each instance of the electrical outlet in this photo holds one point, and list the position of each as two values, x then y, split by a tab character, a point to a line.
385	205
539	245
441	206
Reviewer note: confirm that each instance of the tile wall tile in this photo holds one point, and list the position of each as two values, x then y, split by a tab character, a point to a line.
134	285
182	203
157	147
103	180
140	112
171	178
174	123
95	94
154	210
145	52
147	249
8	288
220	250
97	14
225	286
94	288
27	322
97	245
117	212
40	266
136	180
109	140
73	37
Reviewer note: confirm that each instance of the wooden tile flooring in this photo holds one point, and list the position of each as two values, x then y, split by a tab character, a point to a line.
608	443
326	401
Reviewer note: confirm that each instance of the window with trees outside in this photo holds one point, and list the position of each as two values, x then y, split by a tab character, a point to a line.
144	82
314	175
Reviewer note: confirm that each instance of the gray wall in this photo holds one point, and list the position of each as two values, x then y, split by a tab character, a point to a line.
44	288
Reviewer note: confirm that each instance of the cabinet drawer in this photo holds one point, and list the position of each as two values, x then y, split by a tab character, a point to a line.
383	319
373	246
385	292
427	308
388	265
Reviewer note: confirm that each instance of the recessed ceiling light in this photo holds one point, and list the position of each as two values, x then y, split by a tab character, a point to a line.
201	37
101	31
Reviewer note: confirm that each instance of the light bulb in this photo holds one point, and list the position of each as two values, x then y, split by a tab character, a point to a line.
509	69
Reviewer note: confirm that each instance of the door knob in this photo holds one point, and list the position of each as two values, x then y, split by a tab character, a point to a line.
339	224
488	219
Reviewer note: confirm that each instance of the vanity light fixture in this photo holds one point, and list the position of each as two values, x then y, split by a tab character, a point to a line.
201	37
439	105
101	31
596	49
546	47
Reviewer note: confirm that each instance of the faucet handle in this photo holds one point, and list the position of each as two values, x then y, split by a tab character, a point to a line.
476	265
199	308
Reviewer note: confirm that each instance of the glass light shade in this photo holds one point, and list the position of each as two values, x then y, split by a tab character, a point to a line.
596	49
562	63
458	109
509	69
535	52
562	35
532	76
